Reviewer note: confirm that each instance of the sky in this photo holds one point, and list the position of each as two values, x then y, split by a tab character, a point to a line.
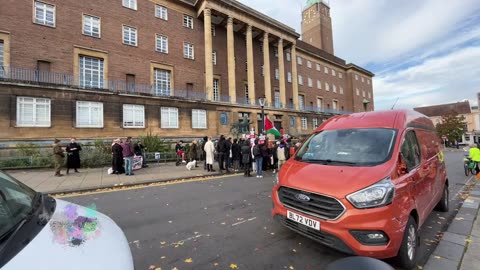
422	52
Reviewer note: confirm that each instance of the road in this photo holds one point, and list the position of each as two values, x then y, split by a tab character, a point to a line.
225	223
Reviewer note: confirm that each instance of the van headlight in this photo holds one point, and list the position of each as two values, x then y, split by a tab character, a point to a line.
376	195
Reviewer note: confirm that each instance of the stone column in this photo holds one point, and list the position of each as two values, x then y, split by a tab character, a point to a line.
281	69
208	53
294	77
251	74
231	61
266	69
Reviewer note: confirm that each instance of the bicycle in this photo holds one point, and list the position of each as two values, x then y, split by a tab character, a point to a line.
468	166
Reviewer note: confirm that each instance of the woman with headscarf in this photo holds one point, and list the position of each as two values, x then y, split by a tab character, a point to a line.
117	157
209	154
73	155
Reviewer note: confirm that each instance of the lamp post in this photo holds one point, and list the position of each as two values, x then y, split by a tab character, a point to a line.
261	101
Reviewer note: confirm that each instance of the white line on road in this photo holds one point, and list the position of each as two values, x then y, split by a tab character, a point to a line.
238	223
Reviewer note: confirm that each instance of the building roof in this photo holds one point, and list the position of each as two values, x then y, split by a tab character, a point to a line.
444	109
319	52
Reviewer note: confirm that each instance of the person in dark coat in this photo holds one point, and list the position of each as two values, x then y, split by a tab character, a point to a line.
117	157
246	152
222	153
204	154
139	150
236	155
73	155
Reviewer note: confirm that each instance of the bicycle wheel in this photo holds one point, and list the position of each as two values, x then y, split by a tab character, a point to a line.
466	169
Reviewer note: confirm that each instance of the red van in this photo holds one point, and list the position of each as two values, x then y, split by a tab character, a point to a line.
364	184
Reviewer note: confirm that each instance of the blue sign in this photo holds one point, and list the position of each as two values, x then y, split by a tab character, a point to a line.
224	118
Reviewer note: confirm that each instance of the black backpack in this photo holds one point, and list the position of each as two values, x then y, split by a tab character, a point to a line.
256	151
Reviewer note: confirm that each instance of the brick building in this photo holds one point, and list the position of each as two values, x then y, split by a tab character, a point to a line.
178	68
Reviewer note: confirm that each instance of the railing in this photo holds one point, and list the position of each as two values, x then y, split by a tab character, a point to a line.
32	76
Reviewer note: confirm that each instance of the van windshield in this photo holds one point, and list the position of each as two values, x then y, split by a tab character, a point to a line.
349	147
15	203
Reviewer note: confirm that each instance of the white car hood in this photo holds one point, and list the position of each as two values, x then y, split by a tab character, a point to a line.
75	238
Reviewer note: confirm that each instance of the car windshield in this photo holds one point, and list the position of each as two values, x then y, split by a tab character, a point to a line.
15	203
351	147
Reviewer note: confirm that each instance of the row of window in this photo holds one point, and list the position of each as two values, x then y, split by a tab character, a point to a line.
36	112
364	94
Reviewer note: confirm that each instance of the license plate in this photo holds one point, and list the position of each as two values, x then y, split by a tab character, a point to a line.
303	220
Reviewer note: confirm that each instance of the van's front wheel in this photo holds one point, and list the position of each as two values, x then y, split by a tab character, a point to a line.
407	255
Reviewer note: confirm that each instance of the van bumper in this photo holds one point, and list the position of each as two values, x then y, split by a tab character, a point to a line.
338	235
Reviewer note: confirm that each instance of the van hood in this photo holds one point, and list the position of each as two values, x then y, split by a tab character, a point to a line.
335	181
75	238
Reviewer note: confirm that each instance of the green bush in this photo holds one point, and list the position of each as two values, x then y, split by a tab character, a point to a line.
27	149
93	157
154	143
102	147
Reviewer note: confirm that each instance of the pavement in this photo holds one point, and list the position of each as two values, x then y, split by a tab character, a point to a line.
43	180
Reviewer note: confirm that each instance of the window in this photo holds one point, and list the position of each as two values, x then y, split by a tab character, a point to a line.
304	122
129	35
310	82
325	70
300	79
315	123
309	64
369	95
1	58
368	81
91	72
292	121
318	67
161	12
319	103
169	117
341	90
358	92
162	82
89	114
356	77
132	4
161	44
275	51
91	26
327	87
247	96
133	116
277	99
334	88
130	78
299	60
199	119
340	75
335	105
216	90
301	102
188	21
289	57
263	70
411	151
44	14
363	93
319	84
277	74
188	51
333	72
33	112
363	80
214	57
289	77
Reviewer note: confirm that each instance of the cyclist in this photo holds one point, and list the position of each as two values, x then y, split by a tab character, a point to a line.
475	156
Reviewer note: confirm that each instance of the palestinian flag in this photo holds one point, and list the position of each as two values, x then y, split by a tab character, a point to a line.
270	128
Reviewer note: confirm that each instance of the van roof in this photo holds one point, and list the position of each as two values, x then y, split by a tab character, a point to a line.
396	119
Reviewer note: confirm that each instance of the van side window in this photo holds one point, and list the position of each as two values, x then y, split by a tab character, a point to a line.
411	150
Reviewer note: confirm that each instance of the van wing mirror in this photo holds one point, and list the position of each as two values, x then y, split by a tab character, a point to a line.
402	168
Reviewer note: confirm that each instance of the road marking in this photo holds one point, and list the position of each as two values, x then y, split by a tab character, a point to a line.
181	242
243	221
140	186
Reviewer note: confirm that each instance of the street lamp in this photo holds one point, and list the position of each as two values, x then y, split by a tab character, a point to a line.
261	101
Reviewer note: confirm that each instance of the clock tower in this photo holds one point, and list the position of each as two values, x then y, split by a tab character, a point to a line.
317	25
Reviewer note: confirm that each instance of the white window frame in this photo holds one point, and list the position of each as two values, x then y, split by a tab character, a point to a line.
275	51
277	99
369	95
247	94
363	79
301	102
289	77
300	79
2	57
214	58
334	88
169	117
161	12
299	60
327	87
309	64
131	4
277	74
162	82
214	32
86	69
315	123
188	51
333	72
187	21
340	75
199	119
310	82
42	18
35	103
319	103
216	89
341	90
289	57
319	67
335	105
319	84
90	24
363	93
133	109
356	77
161	43
358	91
325	70
304	123
90	107
129	35
368	81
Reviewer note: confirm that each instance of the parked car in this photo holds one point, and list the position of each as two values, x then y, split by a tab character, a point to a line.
40	232
364	184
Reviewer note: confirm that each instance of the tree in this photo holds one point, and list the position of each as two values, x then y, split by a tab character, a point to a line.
452	126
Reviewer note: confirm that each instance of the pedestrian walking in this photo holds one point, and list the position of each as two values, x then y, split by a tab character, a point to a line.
117	157
128	156
209	154
205	140
258	155
246	152
73	155
139	150
58	156
236	155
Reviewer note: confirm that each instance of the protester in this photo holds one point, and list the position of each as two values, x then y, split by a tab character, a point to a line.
222	153
192	153
73	155
209	154
281	154
117	157
229	157
236	155
205	140
275	156
258	156
246	152
58	156
128	156
179	149
139	150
